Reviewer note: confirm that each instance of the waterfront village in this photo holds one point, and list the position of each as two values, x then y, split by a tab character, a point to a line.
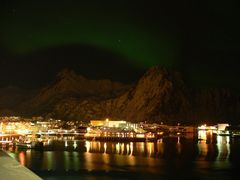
22	132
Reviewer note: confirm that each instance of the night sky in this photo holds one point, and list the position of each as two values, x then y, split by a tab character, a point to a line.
119	40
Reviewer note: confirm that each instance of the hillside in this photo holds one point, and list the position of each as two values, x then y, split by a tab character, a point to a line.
159	96
68	86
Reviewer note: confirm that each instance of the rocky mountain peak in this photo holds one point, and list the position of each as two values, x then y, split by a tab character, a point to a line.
66	72
156	70
69	74
159	93
69	85
159	79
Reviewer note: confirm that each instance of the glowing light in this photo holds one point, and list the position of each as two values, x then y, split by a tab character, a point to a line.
131	135
202	127
118	134
87	145
140	135
105	147
150	147
202	135
122	148
23	131
75	144
160	140
118	148
223	148
128	148
22	158
88	129
66	144
131	148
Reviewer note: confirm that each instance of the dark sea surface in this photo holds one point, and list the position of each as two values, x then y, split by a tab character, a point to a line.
169	158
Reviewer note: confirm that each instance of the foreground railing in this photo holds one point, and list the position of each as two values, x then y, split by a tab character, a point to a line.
10	169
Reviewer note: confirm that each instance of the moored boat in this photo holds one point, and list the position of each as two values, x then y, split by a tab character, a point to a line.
29	144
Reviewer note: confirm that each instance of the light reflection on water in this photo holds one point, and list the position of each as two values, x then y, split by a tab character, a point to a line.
166	155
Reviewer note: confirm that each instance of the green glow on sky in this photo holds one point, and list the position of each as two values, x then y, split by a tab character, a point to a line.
199	39
25	34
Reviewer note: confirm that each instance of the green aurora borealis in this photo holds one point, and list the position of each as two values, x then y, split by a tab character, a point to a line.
30	29
199	39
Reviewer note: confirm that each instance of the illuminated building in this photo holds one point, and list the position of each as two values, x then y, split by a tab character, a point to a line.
107	123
